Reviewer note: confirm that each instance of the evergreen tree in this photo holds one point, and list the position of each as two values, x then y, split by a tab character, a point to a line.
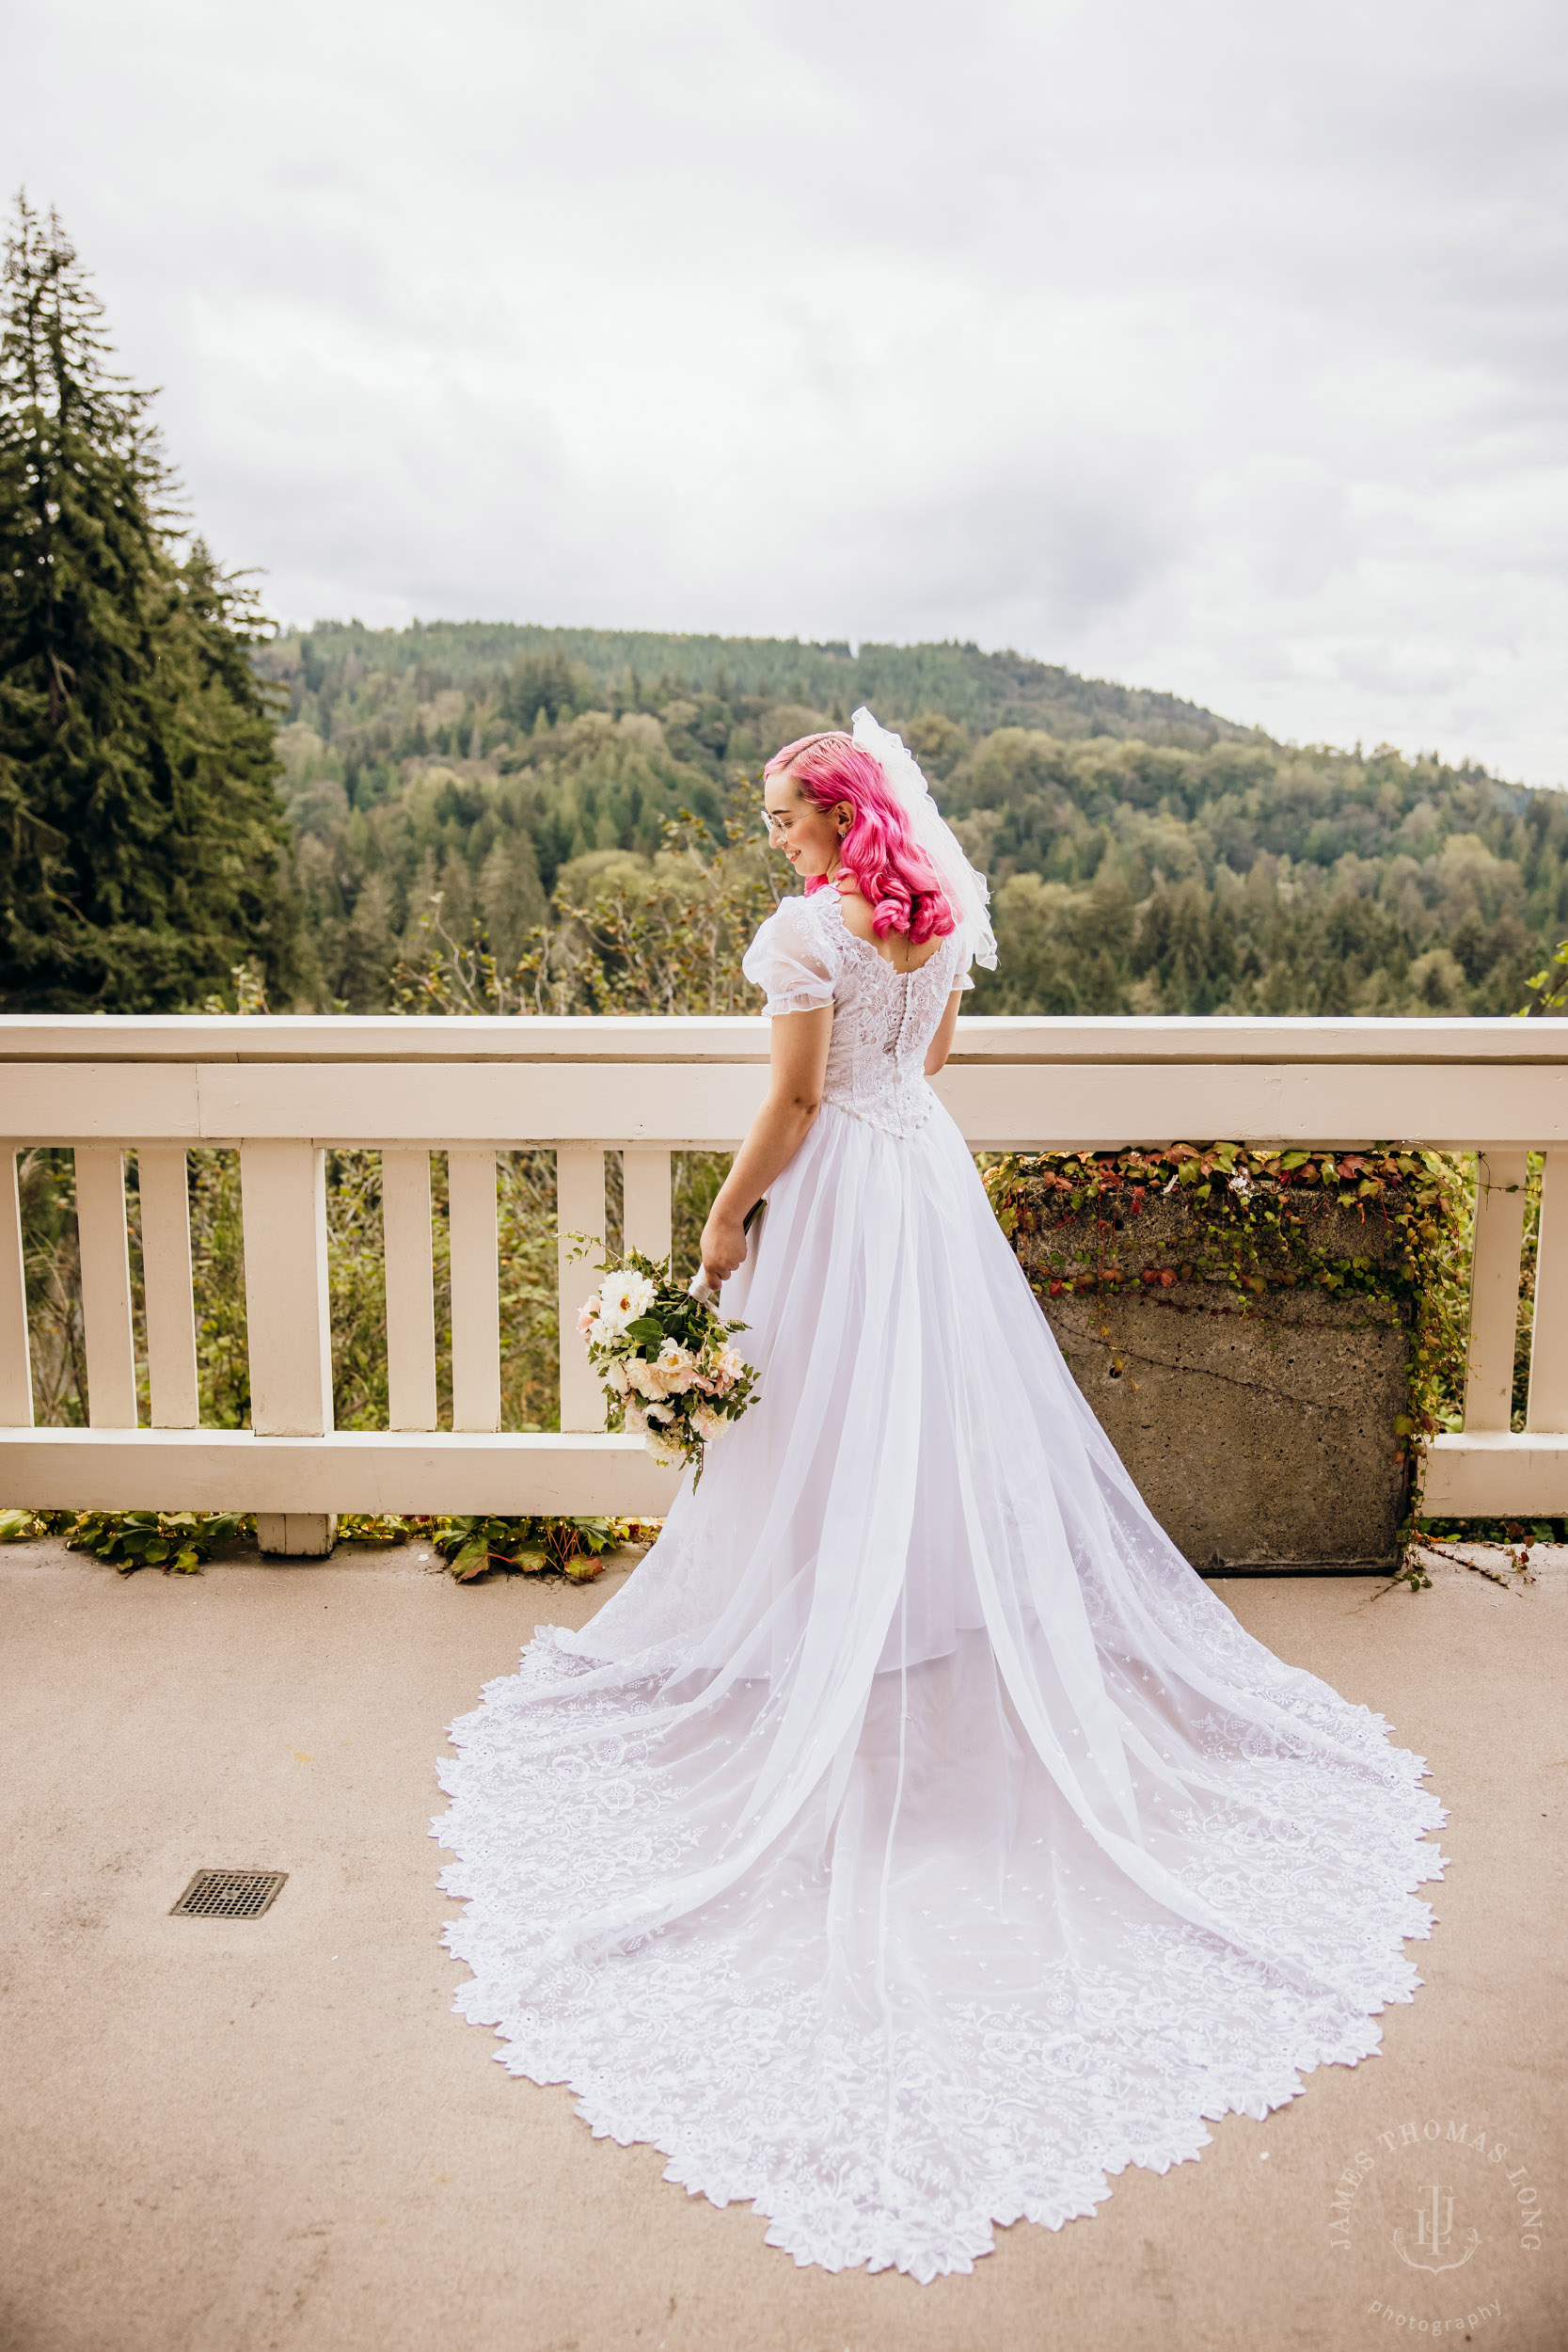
141	826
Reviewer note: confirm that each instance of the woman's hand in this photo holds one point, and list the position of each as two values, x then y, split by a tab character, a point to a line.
724	1243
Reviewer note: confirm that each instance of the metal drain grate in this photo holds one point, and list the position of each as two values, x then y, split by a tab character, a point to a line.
229	1895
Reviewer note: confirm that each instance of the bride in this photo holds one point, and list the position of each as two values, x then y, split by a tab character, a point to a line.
914	1840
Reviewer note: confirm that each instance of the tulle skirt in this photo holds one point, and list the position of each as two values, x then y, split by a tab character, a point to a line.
915	1841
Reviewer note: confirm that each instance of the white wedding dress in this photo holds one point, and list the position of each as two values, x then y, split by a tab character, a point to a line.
914	1840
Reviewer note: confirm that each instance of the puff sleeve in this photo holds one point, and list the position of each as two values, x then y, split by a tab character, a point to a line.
793	958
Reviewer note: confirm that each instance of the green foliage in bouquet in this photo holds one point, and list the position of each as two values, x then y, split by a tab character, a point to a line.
670	1370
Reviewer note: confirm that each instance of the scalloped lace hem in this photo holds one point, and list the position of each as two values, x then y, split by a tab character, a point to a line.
898	2126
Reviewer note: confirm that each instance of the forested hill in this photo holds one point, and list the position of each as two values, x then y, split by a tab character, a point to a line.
1145	854
981	691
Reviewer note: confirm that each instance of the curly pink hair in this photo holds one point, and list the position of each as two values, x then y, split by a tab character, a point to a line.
880	854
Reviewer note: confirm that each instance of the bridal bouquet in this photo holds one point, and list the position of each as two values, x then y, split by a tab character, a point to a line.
669	1371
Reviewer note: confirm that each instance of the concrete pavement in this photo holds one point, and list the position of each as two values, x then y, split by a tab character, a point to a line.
275	2136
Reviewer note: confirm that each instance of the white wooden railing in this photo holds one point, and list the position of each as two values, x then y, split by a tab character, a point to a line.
284	1090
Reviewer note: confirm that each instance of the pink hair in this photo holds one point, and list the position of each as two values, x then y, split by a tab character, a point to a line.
879	853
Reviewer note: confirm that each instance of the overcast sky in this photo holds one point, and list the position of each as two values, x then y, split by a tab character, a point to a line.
1217	347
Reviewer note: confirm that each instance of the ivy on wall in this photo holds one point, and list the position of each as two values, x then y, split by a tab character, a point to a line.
1255	1225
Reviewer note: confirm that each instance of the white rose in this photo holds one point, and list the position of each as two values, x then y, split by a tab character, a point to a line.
622	1299
706	1422
618	1377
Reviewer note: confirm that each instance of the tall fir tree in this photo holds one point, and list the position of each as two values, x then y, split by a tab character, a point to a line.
141	831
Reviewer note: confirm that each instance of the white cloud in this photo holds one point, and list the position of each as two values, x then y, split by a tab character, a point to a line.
1213	348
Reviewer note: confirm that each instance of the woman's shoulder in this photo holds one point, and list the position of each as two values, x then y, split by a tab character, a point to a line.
794	955
807	911
804	922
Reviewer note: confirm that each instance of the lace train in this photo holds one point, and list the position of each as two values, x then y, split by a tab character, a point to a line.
897	2130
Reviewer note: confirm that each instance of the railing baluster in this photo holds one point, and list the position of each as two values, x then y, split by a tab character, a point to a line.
476	1345
1495	1289
283	1195
410	1290
647	1212
104	1247
1548	1355
163	1180
16	1367
579	1208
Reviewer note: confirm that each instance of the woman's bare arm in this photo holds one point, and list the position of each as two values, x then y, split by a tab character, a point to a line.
942	1044
797	1059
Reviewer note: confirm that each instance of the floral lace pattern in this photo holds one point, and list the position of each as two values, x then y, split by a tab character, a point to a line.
806	956
902	2140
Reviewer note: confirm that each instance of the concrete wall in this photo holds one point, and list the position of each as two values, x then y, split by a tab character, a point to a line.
1260	1430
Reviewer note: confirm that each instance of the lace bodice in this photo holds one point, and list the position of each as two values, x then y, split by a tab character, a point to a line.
805	956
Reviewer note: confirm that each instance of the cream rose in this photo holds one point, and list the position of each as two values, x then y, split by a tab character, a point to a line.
677	1367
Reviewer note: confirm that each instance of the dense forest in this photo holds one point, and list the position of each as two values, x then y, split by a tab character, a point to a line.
141	836
1145	854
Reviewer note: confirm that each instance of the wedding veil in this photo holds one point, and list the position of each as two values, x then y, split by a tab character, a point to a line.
967	891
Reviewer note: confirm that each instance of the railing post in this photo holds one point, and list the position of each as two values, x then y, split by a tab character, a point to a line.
476	1344
1495	1289
283	1194
410	1290
105	1251
163	1180
578	1209
1548	1409
646	1202
16	1366
288	1317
